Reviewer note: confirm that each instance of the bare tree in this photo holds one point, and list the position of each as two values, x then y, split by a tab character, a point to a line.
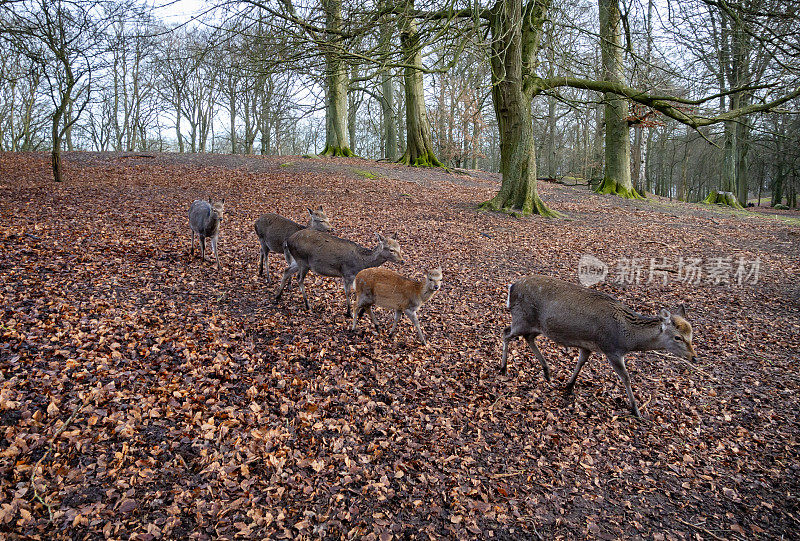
62	37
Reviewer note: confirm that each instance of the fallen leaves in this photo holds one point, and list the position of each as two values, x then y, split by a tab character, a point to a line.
156	398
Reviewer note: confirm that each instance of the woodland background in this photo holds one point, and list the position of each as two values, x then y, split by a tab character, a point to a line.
414	81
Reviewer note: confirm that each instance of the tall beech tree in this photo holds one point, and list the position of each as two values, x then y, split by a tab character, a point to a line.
516	33
336	80
419	146
617	174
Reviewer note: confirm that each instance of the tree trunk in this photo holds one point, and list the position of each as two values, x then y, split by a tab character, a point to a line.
551	137
728	180
722	198
777	184
178	123
636	150
389	120
68	125
233	120
742	170
617	177
511	45
684	167
419	148
596	172
387	93
476	138
56	152
336	143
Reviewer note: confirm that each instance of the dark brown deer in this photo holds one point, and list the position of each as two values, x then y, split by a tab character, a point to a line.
328	255
273	230
592	321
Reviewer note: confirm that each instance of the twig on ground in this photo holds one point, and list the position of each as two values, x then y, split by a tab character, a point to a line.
655	242
687	363
704	530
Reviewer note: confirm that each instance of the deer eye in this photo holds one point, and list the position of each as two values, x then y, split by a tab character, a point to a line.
679	339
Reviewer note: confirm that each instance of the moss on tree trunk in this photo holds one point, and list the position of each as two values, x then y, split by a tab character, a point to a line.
515	42
338	152
722	198
419	145
611	186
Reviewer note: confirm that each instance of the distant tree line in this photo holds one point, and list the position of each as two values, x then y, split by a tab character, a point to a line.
628	98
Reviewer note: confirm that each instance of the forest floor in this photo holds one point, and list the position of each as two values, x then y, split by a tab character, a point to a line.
145	395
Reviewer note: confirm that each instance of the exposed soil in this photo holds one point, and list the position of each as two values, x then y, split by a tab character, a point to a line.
208	410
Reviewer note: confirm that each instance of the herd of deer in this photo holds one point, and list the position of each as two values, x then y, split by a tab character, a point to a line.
566	313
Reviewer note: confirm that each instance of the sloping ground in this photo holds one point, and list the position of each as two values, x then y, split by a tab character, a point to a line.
196	406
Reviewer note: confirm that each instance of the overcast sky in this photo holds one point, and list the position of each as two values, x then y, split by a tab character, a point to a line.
179	11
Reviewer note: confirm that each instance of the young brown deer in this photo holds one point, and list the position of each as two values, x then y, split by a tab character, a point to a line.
387	289
205	218
328	255
592	321
274	229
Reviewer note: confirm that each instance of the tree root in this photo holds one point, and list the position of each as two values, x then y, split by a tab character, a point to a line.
613	187
722	198
337	152
536	206
427	159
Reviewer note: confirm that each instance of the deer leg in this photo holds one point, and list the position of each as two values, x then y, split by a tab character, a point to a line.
508	334
347	286
191	250
397	316
583	356
531	339
289	262
618	364
214	249
360	308
373	318
412	315
261	257
202	247
301	277
287	275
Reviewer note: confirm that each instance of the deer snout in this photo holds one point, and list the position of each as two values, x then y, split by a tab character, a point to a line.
435	287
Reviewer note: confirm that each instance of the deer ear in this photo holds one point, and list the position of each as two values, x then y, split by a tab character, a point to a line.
223	201
394	236
311	212
681	311
665	318
380	238
320	208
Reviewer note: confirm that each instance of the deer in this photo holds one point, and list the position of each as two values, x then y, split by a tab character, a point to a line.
388	289
205	218
592	321
328	255
274	229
